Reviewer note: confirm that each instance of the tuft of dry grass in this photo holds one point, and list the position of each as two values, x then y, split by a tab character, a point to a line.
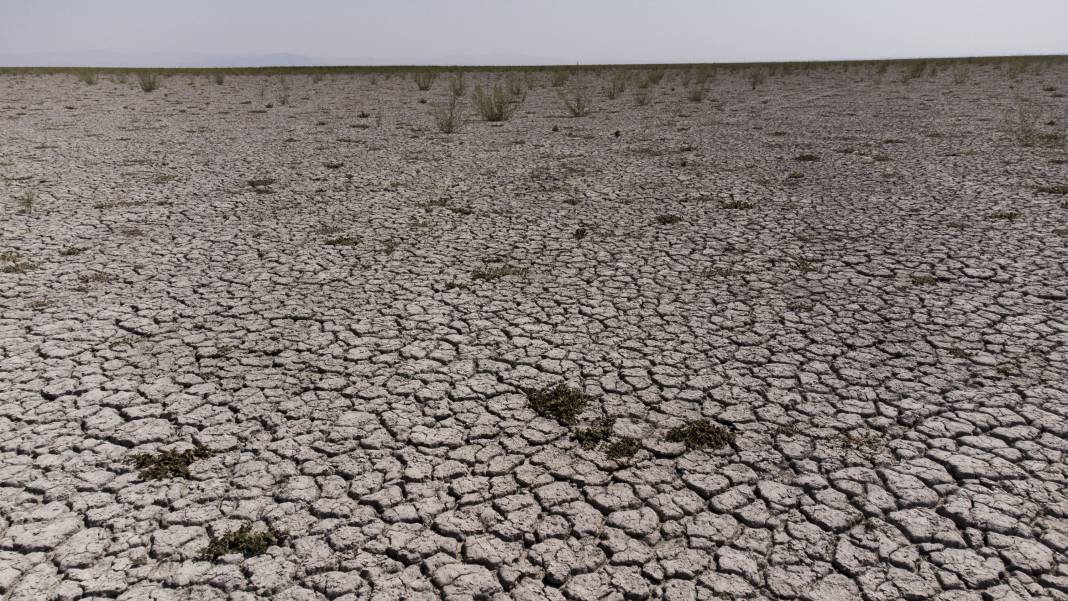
615	86
449	117
89	78
457	84
148	81
424	80
495	105
1021	124
578	100
696	92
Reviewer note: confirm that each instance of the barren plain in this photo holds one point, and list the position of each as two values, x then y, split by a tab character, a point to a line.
283	339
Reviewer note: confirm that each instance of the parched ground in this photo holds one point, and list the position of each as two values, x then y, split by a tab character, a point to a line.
879	336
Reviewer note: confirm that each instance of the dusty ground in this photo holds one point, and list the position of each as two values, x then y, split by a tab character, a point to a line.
884	333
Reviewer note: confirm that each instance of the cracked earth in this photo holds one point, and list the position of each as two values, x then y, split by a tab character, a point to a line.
347	353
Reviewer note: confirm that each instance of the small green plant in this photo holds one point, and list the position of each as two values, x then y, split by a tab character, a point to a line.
497	272
600	432
243	541
961	75
148	80
342	241
651	78
615	86
924	279
807	157
757	77
72	251
457	84
559	77
95	277
696	92
915	69
1057	189
578	100
621	449
13	262
220	79
449	117
424	80
668	219
495	105
261	182
89	78
863	441
26	201
737	204
516	88
283	91
641	97
1022	124
701	434
169	464
1003	216
580	233
560	402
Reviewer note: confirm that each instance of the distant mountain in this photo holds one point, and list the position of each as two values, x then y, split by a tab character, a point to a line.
205	59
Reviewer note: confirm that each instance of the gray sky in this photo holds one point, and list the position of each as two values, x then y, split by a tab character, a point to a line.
517	31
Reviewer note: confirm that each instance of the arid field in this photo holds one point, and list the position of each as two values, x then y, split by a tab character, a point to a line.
736	333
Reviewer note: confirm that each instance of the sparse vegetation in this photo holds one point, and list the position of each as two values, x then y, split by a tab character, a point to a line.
701	434
71	251
450	116
342	241
457	84
668	219
424	80
578	100
1061	189
558	402
169	464
498	271
88	77
1022	124
1003	216
757	77
244	541
26	201
623	448
807	158
696	92
148	80
737	204
600	432
496	105
558	78
261	182
615	86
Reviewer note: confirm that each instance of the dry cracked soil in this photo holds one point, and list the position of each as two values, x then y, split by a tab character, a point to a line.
812	336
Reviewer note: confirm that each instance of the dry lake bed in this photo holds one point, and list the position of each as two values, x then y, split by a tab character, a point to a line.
281	338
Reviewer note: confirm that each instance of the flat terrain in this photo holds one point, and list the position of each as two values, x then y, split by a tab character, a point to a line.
342	356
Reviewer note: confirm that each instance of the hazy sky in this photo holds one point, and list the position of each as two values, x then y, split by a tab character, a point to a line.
568	31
